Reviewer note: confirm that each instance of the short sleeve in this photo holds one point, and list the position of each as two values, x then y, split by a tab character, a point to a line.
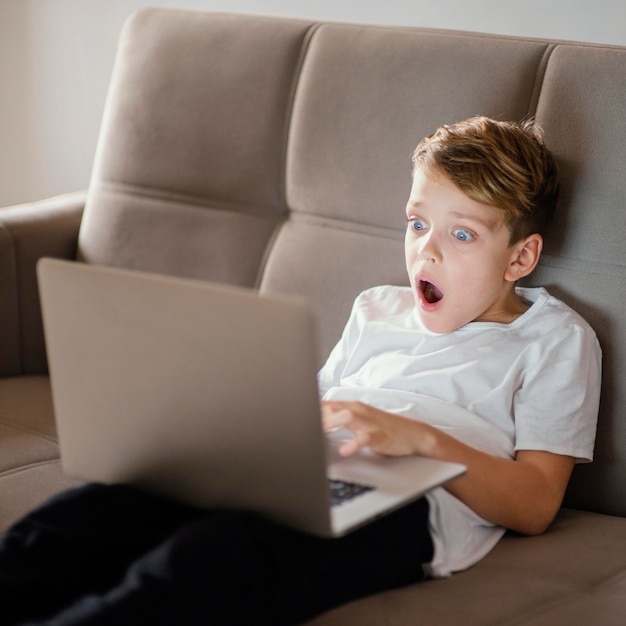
556	408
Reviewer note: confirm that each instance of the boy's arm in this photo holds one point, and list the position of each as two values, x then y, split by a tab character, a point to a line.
522	494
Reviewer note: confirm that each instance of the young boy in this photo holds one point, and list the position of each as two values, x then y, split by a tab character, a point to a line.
461	365
525	368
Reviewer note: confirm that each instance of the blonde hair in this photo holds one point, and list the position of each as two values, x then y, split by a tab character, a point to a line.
505	165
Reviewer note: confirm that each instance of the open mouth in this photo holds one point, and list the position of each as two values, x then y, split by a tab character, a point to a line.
431	293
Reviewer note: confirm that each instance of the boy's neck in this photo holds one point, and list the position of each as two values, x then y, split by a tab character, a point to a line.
511	308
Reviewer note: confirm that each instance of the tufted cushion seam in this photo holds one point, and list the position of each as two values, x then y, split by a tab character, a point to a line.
29	466
189	200
26	429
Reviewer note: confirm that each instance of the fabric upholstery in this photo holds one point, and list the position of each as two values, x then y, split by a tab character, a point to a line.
230	86
28	232
585	256
29	454
526	580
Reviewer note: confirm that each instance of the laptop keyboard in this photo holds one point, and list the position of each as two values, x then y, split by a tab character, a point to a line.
341	491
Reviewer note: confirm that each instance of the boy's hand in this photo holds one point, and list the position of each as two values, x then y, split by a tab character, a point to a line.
378	430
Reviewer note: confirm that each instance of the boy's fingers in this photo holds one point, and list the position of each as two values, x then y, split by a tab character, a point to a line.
356	443
336	415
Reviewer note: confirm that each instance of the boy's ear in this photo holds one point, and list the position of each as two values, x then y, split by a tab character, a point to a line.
525	257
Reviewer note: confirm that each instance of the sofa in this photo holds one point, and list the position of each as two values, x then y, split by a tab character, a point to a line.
274	153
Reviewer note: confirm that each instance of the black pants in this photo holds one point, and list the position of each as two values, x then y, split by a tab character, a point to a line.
117	556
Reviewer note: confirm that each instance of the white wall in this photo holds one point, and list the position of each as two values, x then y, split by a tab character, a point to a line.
56	58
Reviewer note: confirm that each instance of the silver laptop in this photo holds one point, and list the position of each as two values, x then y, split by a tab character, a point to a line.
207	394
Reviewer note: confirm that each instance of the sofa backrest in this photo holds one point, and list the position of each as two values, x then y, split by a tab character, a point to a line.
275	153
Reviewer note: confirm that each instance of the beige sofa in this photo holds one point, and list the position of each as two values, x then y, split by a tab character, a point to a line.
275	154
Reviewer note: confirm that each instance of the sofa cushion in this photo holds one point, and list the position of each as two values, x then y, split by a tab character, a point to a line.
556	579
25	488
585	256
29	454
367	95
193	186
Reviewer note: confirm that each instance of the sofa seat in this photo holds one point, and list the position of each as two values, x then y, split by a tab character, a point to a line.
30	469
524	580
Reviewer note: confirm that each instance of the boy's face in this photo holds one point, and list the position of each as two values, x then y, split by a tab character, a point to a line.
458	257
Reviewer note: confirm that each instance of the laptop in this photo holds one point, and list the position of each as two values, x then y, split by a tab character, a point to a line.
206	394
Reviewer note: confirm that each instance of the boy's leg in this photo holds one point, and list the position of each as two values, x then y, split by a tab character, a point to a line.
233	568
79	542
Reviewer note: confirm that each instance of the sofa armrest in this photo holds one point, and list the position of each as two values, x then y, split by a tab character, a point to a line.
27	233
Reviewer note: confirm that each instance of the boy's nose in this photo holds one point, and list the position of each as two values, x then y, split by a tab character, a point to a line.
429	249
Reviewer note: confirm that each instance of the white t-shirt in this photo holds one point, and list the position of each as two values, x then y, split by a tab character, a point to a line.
533	384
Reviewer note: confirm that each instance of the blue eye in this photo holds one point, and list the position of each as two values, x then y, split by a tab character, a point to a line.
417	225
462	235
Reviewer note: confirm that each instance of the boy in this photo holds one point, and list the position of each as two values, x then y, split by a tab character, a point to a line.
524	365
461	365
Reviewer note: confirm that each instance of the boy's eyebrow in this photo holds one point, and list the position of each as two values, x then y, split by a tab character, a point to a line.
414	204
491	222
